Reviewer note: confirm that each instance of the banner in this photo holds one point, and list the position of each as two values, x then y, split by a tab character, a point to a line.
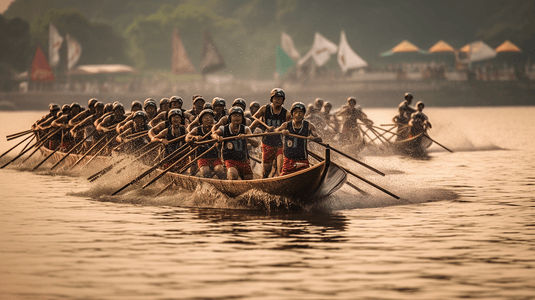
287	45
180	62
211	61
41	71
54	44
283	61
74	51
347	58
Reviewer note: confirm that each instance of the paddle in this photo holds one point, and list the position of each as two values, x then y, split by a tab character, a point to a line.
36	145
88	151
165	188
47	157
238	137
24	140
176	162
316	156
342	153
19	133
357	188
157	165
26	146
427	136
9	138
103	147
137	154
72	150
171	156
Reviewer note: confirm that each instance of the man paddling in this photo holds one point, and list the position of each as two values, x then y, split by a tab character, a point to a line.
273	115
295	149
210	165
350	128
234	152
405	112
419	122
169	135
138	124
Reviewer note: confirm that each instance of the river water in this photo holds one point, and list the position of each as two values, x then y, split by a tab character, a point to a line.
463	228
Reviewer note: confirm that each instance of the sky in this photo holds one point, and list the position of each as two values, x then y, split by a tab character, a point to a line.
4	4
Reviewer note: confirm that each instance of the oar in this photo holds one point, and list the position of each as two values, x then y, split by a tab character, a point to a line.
17	136
72	150
163	161
137	134
237	137
24	140
137	154
37	144
427	136
88	151
342	153
165	188
130	138
357	188
48	137
176	162
316	156
28	144
47	157
19	133
169	157
103	147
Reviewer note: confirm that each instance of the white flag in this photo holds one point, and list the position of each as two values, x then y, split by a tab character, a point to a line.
347	58
322	49
74	51
480	51
287	45
54	44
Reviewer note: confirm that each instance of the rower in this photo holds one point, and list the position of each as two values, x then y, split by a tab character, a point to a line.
84	114
164	105
295	149
419	122
315	108
87	125
150	108
253	108
273	115
405	112
350	128
329	118
174	131
136	106
210	164
198	104
234	151
238	102
63	122
138	124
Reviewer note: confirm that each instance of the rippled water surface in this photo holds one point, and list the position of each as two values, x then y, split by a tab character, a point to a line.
463	228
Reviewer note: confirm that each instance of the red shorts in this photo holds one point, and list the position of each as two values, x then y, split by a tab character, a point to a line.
243	167
270	153
211	162
293	165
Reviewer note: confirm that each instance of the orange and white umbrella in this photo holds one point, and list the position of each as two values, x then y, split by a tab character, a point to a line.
441	46
507	46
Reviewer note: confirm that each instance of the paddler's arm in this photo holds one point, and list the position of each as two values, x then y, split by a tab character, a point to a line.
254	142
259	115
220	123
154	131
192	136
217	135
121	136
313	133
161	137
193	124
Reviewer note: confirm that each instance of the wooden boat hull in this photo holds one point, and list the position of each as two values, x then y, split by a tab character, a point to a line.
306	186
416	146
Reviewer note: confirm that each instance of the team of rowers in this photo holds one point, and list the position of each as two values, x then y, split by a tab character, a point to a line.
220	136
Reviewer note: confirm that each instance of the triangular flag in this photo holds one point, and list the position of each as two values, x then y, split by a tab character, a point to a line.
180	62
211	61
287	45
54	44
478	51
283	61
322	49
41	71
347	58
74	51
